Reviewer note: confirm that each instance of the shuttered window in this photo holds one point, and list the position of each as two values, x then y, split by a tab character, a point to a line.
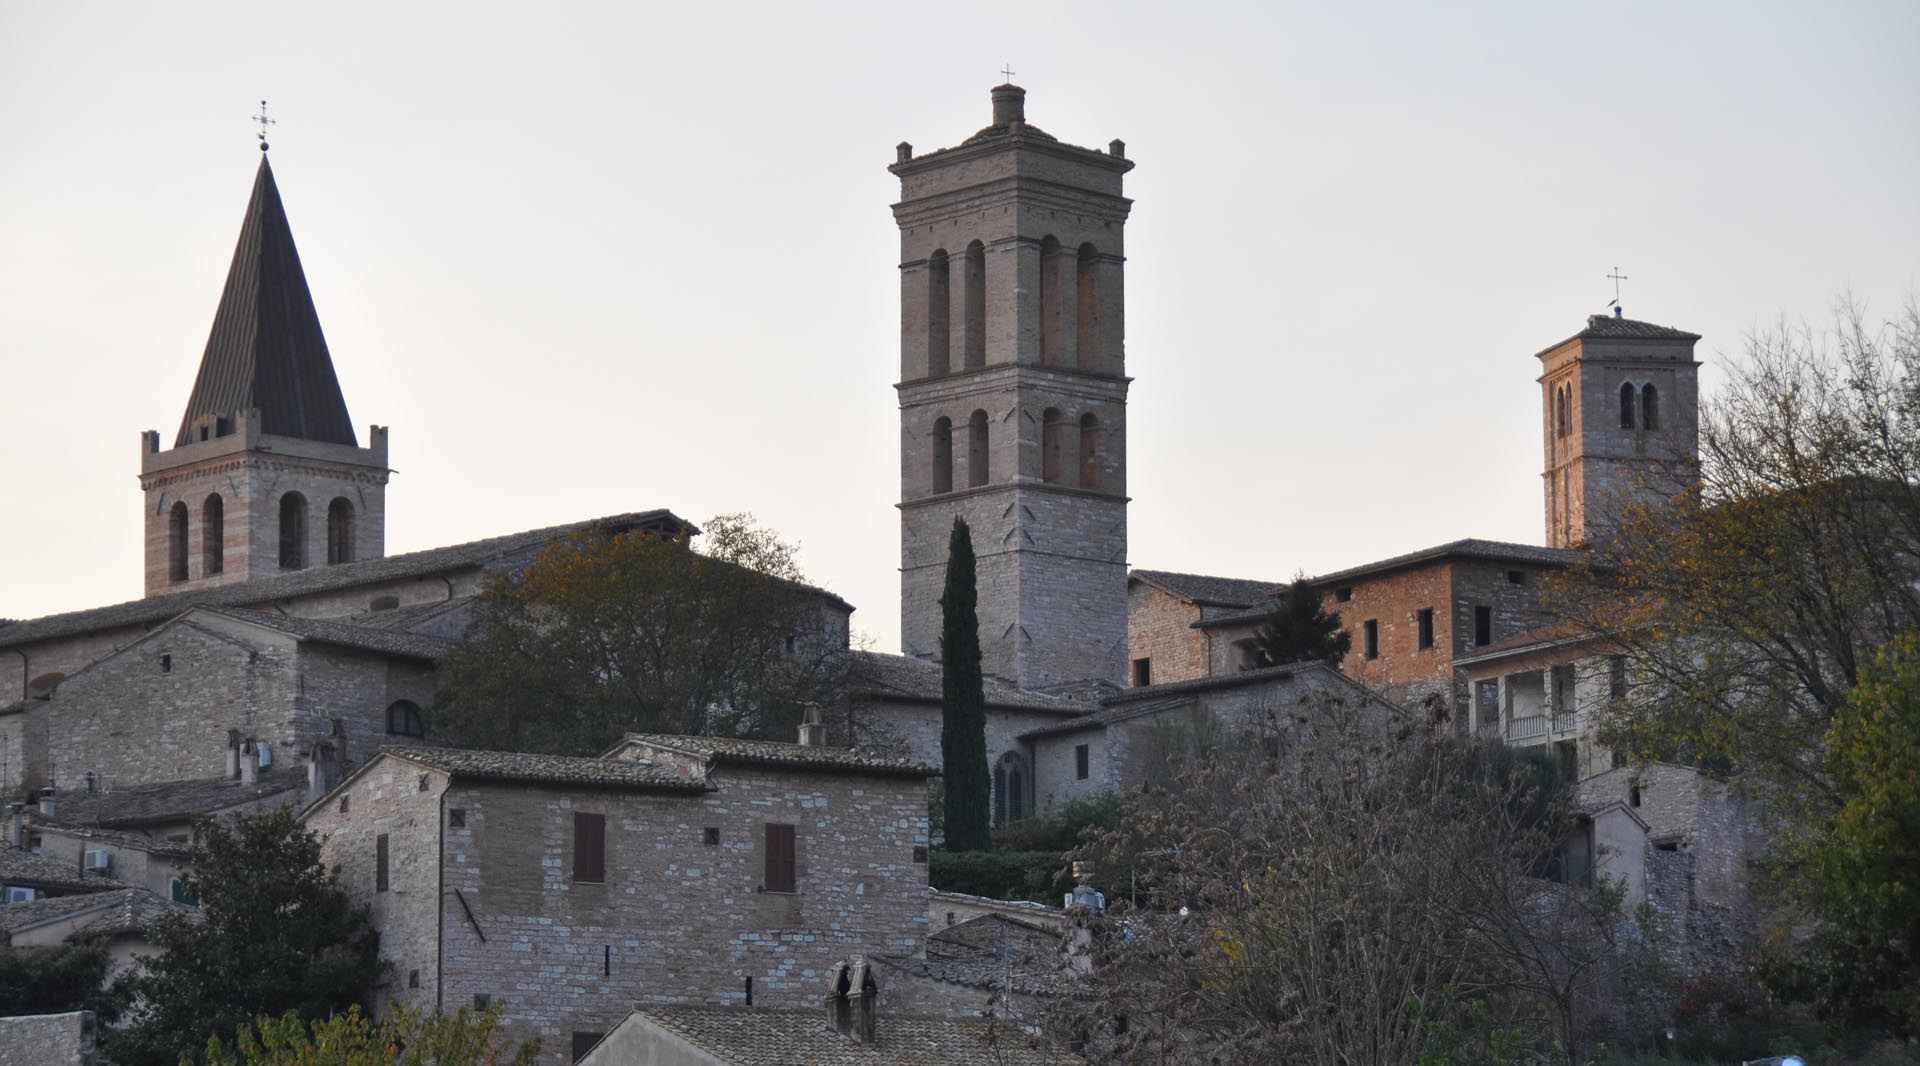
380	881
590	847
780	858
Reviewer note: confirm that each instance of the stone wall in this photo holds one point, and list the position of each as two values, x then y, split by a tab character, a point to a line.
49	1040
677	919
1160	630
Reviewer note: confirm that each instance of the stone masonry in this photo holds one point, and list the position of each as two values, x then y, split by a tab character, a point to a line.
1013	395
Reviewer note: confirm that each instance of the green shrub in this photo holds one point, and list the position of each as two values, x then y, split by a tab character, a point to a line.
1059	829
1040	876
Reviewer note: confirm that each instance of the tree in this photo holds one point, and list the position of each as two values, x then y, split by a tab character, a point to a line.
402	1037
1300	627
1338	887
277	934
605	635
58	978
1859	964
1747	600
963	703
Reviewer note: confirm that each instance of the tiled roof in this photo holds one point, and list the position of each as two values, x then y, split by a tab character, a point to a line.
346	634
18	867
783	756
547	769
1136	702
993	951
905	678
741	1036
1607	327
125	910
1208	591
1469	548
488	553
168	801
120	838
266	349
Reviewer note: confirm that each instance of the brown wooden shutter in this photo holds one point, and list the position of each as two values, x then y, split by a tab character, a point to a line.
780	858
589	847
380	877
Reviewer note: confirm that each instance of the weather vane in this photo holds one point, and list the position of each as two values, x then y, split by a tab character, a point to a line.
1007	72
264	122
1617	279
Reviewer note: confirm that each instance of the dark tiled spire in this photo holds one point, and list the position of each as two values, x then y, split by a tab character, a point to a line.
266	349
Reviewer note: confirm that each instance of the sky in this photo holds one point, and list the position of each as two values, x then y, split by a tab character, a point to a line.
589	258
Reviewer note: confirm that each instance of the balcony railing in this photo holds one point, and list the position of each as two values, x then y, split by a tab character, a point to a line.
1523	728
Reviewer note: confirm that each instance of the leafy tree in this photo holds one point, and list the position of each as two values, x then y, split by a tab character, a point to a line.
402	1037
1860	964
277	934
1300	627
963	703
1748	596
601	636
55	979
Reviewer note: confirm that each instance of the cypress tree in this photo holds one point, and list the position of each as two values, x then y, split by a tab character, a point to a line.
963	702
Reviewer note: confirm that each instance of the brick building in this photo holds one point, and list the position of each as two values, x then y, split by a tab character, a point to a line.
673	869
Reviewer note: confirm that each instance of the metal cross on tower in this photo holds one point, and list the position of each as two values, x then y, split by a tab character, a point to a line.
1007	72
1617	279
264	122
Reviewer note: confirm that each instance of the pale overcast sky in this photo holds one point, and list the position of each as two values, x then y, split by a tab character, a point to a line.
592	258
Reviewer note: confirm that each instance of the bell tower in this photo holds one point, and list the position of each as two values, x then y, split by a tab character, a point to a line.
1621	421
1013	392
265	475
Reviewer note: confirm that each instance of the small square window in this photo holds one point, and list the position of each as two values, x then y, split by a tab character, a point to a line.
1142	673
920	853
413	978
166	664
1343	594
343	804
482	1000
457	817
1483	626
1424	623
1080	761
1370	638
710	836
426	782
1516	577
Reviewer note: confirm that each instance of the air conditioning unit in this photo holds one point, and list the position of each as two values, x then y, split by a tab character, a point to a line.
100	861
19	894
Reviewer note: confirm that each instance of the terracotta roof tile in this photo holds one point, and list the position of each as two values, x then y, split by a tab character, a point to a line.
547	769
166	801
779	755
746	1037
1209	591
905	678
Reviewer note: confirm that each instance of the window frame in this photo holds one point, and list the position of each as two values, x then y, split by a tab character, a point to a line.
589	848
780	859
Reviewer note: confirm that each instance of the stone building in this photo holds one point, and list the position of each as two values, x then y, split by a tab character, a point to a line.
674	869
1013	393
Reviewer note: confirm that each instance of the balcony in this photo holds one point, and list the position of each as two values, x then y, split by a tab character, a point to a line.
1539	725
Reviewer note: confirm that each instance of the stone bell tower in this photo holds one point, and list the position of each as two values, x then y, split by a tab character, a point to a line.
1621	421
1013	392
265	475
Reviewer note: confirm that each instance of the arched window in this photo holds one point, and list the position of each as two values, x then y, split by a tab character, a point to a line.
293	531
1562	412
1626	406
1089	451
213	532
1086	306
177	542
1050	320
937	331
339	531
977	450
976	309
1649	408
1051	461
1010	788
943	455
403	719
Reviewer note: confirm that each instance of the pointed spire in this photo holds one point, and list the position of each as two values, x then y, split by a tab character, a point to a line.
266	349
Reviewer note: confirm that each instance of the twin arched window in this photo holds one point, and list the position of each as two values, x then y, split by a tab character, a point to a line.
1648	399
1063	277
941	459
1563	413
177	542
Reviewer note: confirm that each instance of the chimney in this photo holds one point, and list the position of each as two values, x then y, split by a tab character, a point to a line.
46	803
249	765
17	825
839	1010
812	733
865	996
1009	105
233	754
